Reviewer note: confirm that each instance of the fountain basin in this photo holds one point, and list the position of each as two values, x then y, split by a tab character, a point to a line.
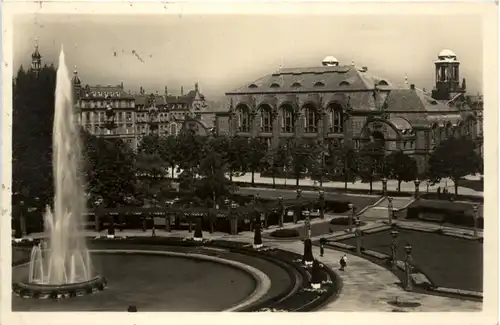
61	291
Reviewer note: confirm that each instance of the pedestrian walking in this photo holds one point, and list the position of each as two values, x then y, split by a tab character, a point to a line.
321	248
343	262
153	231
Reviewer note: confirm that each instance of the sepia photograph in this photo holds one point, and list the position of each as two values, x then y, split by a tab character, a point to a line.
248	162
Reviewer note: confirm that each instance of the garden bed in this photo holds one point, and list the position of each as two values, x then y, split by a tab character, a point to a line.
453	213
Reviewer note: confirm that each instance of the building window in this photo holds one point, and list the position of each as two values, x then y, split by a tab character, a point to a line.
266	123
336	120
311	120
173	129
243	120
287	120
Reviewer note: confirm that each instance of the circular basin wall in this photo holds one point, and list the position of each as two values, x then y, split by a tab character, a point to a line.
152	283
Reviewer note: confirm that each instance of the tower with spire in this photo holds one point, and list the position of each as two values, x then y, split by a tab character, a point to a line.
36	59
77	85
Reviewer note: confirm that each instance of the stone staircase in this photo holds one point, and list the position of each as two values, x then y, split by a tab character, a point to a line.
380	210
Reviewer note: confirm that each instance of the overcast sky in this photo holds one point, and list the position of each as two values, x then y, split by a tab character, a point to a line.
224	52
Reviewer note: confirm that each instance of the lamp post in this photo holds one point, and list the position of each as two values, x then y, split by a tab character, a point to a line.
358	235
281	210
475	217
417	189
299	193
321	204
384	186
307	224
390	209
351	216
233	221
408	261
394	248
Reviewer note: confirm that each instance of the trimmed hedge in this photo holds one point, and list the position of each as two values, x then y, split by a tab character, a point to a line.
285	233
344	221
455	213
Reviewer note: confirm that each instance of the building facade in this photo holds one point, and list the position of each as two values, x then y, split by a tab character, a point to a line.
345	105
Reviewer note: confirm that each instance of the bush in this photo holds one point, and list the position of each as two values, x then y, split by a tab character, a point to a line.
459	214
285	233
344	221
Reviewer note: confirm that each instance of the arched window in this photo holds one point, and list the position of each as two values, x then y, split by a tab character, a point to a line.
336	119
344	83
275	85
319	84
253	86
383	83
243	119
287	119
266	123
311	119
296	84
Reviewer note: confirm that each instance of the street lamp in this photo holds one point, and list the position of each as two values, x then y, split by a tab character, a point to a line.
321	204
384	186
358	235
281	210
307	224
299	193
408	261
475	217
417	189
351	215
234	228
390	209
394	248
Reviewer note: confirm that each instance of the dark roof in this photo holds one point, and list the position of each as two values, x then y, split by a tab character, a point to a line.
98	91
336	78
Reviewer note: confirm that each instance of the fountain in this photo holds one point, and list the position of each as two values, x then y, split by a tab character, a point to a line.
62	266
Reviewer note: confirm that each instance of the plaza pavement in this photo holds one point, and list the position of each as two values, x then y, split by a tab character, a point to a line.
366	286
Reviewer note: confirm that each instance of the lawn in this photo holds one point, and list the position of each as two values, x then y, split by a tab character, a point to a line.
476	185
447	261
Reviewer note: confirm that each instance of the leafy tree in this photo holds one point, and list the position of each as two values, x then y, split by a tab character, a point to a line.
454	158
301	153
190	152
169	147
151	171
109	169
212	185
372	162
33	102
347	158
257	149
150	144
235	152
275	161
402	167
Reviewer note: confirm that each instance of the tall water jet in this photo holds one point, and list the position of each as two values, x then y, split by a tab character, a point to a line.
66	259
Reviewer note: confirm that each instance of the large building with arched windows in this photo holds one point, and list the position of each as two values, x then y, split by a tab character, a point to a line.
346	105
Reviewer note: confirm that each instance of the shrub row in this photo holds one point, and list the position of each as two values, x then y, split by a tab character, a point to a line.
460	214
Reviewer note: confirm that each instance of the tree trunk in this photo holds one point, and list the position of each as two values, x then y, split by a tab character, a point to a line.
399	185
173	169
253	178
274	181
455	184
371	186
297	180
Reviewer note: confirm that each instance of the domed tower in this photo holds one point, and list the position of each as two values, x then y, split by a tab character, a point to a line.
447	76
36	59
330	61
77	85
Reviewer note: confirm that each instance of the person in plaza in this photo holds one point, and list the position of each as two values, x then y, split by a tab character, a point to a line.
343	262
322	247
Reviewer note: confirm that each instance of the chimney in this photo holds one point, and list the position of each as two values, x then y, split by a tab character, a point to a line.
364	68
196	87
166	91
412	86
182	91
121	85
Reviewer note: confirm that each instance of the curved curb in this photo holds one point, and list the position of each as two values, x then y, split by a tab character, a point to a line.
262	280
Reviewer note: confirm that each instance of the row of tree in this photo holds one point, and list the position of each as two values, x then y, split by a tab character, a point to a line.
118	174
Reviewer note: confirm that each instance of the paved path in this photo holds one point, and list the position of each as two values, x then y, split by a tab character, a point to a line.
366	285
369	287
